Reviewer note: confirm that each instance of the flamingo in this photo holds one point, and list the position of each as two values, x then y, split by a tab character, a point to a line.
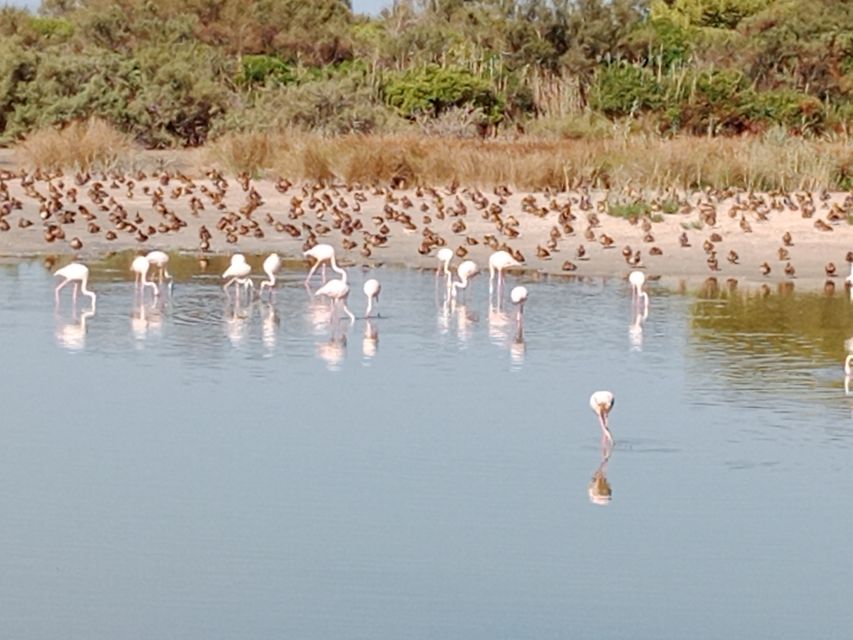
466	271
140	266
160	260
499	261
322	253
518	296
74	272
602	402
238	271
444	255
371	290
337	291
849	279
637	280
271	267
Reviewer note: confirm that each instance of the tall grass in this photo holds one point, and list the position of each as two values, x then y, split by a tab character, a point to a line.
85	146
640	161
622	159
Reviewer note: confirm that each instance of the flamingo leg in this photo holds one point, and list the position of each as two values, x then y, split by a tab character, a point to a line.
58	287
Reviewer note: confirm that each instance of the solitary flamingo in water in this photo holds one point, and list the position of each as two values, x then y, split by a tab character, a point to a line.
322	253
499	261
74	272
371	290
518	296
238	271
337	290
271	267
602	402
140	266
466	271
159	260
444	256
637	280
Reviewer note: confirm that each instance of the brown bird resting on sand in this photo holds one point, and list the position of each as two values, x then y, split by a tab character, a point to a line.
581	252
708	246
606	241
820	225
849	257
744	224
786	239
713	264
783	254
655	251
683	239
568	265
715	237
765	268
733	257
830	269
789	270
542	252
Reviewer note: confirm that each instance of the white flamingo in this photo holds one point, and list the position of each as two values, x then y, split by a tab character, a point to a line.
637	280
140	266
272	265
238	272
337	290
602	402
465	271
371	290
499	261
445	256
322	253
518	296
76	273
160	260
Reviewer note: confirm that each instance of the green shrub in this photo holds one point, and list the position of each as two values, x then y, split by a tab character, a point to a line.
433	89
622	89
258	69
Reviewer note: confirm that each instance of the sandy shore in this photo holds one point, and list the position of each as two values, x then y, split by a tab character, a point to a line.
88	218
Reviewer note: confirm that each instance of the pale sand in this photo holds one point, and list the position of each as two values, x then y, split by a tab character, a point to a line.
812	248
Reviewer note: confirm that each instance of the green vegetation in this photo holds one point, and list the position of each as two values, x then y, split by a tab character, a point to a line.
182	74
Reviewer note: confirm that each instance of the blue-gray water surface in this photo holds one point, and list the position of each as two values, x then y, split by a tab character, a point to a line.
194	469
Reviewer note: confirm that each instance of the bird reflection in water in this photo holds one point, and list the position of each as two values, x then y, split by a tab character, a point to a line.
333	351
72	335
464	321
848	365
236	322
499	325
270	322
599	489
518	296
369	342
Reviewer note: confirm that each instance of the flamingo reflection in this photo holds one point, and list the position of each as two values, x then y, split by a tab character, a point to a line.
369	341
599	490
72	335
333	351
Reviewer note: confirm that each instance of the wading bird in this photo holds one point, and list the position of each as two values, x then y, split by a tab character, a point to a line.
602	402
76	273
238	272
160	260
337	291
140	266
322	253
371	290
518	296
499	261
637	280
271	267
465	271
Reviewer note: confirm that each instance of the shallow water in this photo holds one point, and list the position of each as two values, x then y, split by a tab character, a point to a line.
201	471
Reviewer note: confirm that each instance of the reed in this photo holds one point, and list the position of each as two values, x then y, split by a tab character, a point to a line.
87	145
625	159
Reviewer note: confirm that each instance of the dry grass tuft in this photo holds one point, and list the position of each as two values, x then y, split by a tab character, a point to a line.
84	146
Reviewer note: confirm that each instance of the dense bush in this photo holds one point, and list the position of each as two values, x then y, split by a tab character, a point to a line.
174	73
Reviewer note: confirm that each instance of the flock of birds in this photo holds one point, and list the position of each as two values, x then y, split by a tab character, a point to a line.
336	290
74	208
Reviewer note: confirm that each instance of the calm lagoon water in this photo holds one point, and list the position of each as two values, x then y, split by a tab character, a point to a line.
196	471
